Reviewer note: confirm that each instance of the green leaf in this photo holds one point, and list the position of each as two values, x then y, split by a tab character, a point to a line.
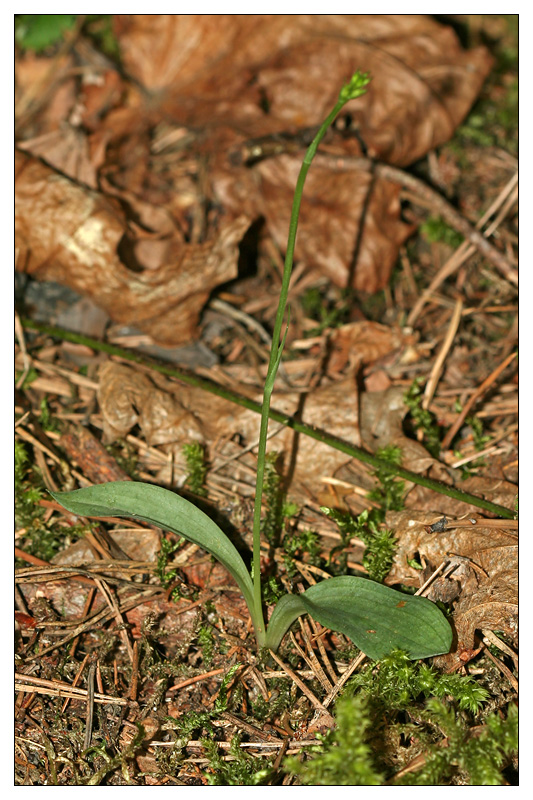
39	31
376	618
167	510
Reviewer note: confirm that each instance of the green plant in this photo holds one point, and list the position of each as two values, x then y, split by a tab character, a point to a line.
434	229
38	31
395	700
474	758
243	770
422	418
345	757
396	683
167	548
479	437
390	492
375	617
321	309
195	457
380	542
298	543
35	535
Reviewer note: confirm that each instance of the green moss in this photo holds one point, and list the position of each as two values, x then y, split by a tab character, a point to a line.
206	642
396	682
327	313
39	538
472	758
299	544
345	757
422	419
197	468
242	770
280	700
396	697
390	491
380	543
48	422
436	230
166	549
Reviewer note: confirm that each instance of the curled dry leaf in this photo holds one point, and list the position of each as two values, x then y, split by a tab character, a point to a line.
487	572
128	398
80	238
364	342
358	218
278	75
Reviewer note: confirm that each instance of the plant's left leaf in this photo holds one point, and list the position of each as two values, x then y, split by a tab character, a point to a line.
162	508
376	618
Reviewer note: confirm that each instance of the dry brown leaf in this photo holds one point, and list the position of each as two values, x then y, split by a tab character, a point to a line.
261	74
179	414
217	82
363	343
78	237
85	450
128	398
337	206
66	149
487	573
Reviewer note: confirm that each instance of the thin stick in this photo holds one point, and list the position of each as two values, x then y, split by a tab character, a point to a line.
491	638
75	681
503	669
480	391
453	218
29	683
90	705
301	685
436	372
318	638
344	677
26	360
135	671
197	678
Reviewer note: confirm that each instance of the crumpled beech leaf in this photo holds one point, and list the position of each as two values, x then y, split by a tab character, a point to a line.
377	619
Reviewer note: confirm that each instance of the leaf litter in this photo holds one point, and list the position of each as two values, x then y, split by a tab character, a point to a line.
150	190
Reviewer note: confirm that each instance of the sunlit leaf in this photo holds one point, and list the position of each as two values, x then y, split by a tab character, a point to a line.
162	508
376	618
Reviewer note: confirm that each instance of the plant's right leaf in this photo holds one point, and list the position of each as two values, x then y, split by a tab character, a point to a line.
162	508
376	618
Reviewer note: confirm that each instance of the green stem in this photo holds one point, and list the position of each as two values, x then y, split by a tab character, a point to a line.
277	345
245	402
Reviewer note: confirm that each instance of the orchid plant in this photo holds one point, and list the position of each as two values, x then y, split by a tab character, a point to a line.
375	617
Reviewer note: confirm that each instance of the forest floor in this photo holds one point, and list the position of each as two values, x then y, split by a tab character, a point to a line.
135	657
